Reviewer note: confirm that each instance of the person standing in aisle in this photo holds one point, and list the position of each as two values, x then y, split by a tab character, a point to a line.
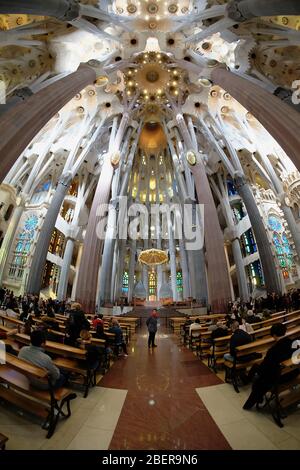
152	328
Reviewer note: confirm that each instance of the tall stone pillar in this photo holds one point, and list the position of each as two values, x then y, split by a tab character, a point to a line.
280	120
242	10
240	269
172	253
64	10
131	270
107	257
201	293
120	268
78	261
9	238
23	122
263	244
65	270
186	291
92	249
218	276
41	250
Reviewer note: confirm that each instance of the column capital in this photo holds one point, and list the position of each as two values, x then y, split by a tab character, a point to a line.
231	233
233	11
65	178
239	179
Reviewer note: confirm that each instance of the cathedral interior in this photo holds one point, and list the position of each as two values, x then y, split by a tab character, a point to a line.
110	108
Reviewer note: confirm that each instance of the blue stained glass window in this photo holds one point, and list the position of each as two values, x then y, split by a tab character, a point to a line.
231	188
274	223
19	246
43	187
248	244
179	281
22	248
31	223
125	283
277	243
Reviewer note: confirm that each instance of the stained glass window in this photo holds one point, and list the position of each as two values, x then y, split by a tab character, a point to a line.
282	246
57	243
248	243
274	223
277	243
179	282
22	248
125	283
41	192
152	285
231	188
255	274
238	212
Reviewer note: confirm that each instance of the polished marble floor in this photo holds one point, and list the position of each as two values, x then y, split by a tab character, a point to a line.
163	398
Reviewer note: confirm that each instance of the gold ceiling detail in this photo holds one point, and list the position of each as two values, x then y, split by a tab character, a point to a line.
153	257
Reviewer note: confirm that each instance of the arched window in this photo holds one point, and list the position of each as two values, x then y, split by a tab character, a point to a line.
282	246
22	248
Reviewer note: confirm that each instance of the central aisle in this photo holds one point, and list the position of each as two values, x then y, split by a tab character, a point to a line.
162	410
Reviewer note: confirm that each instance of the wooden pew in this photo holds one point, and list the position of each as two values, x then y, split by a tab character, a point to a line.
233	369
220	346
285	392
69	358
275	319
6	319
47	404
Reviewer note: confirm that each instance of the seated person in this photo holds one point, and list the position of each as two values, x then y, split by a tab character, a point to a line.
252	318
195	328
100	334
220	330
97	320
35	355
26	329
213	325
119	340
238	338
245	326
93	355
269	369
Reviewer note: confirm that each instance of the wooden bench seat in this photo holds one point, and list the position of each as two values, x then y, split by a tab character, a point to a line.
15	387
284	393
3	441
261	346
64	351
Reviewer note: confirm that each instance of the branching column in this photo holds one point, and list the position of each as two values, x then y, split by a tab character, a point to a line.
92	249
40	253
265	252
280	120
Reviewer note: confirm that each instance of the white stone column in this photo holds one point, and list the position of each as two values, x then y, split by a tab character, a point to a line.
65	269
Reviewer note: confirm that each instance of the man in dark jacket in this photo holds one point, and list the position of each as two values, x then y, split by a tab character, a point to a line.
239	338
151	323
269	370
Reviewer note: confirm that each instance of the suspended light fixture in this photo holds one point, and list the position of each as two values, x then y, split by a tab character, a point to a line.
153	257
